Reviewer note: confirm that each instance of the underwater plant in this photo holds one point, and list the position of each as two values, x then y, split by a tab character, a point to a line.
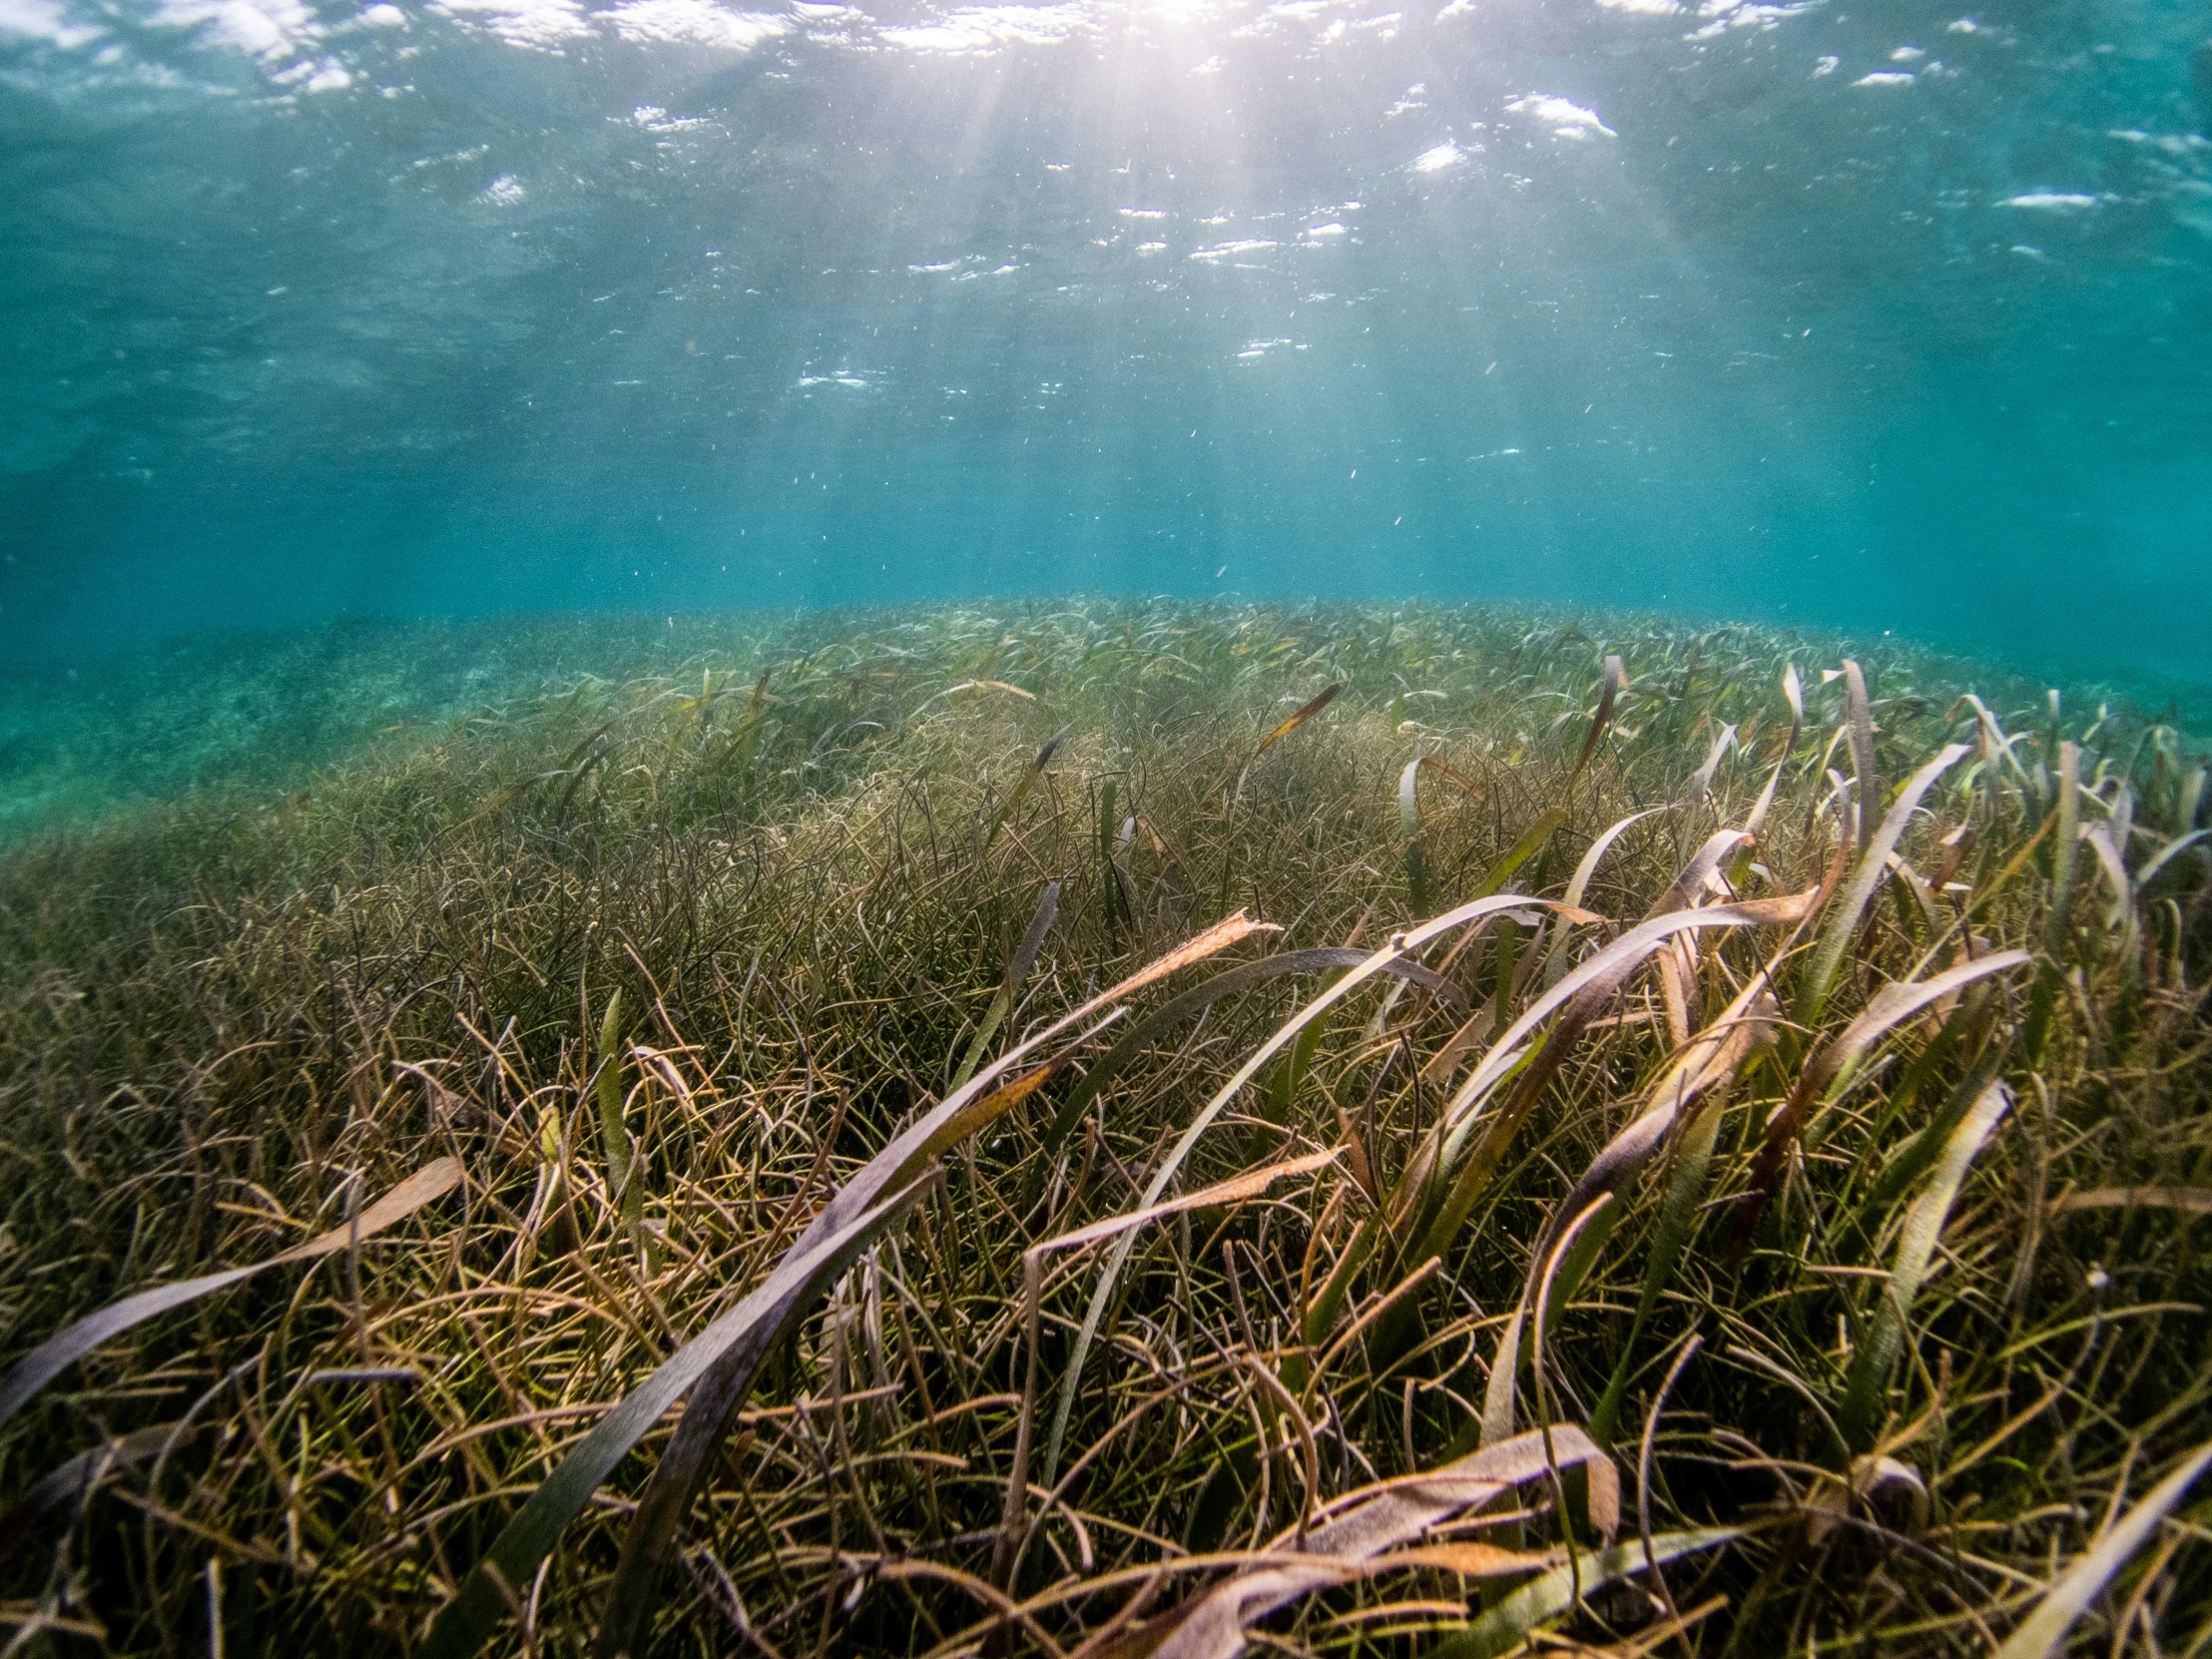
1121	1128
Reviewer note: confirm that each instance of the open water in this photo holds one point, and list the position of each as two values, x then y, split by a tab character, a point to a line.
1874	315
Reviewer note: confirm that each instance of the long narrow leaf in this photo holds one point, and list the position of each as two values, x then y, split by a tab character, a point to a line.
1514	1619
2045	1629
1581	993
1878	1351
1874	865
1613	680
1214	1626
1827	1071
1305	714
2190	1201
58	1353
1862	748
724	1380
749	1329
1416	861
1531	842
1230	983
2055	926
1028	780
1376	962
1002	1003
1606	970
1711	1062
1578	885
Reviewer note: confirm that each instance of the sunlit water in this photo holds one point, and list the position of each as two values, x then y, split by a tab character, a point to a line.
1835	312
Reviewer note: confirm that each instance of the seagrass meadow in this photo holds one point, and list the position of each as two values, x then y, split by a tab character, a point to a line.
1107	1129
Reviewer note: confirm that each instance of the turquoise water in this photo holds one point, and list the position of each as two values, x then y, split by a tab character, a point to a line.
1863	316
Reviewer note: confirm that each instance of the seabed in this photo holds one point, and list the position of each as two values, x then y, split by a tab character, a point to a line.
1025	1128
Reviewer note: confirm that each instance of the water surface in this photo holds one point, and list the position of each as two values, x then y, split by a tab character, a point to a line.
1856	314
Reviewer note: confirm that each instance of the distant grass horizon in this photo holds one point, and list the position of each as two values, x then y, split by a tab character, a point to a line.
82	735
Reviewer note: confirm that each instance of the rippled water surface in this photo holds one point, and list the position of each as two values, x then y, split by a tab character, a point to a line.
1865	313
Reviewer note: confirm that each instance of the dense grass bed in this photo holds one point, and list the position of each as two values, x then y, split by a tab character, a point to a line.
1135	1129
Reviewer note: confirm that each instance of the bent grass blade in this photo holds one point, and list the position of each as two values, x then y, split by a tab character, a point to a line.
1877	1353
1312	708
1462	1174
1020	791
1416	860
58	1353
2067	834
1513	1620
1439	1189
1354	1542
1708	1066
726	1374
1578	885
1399	945
1874	865
1860	728
1613	683
1007	1558
2044	1630
747	1330
1195	1001
1017	974
2189	1201
1831	1071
